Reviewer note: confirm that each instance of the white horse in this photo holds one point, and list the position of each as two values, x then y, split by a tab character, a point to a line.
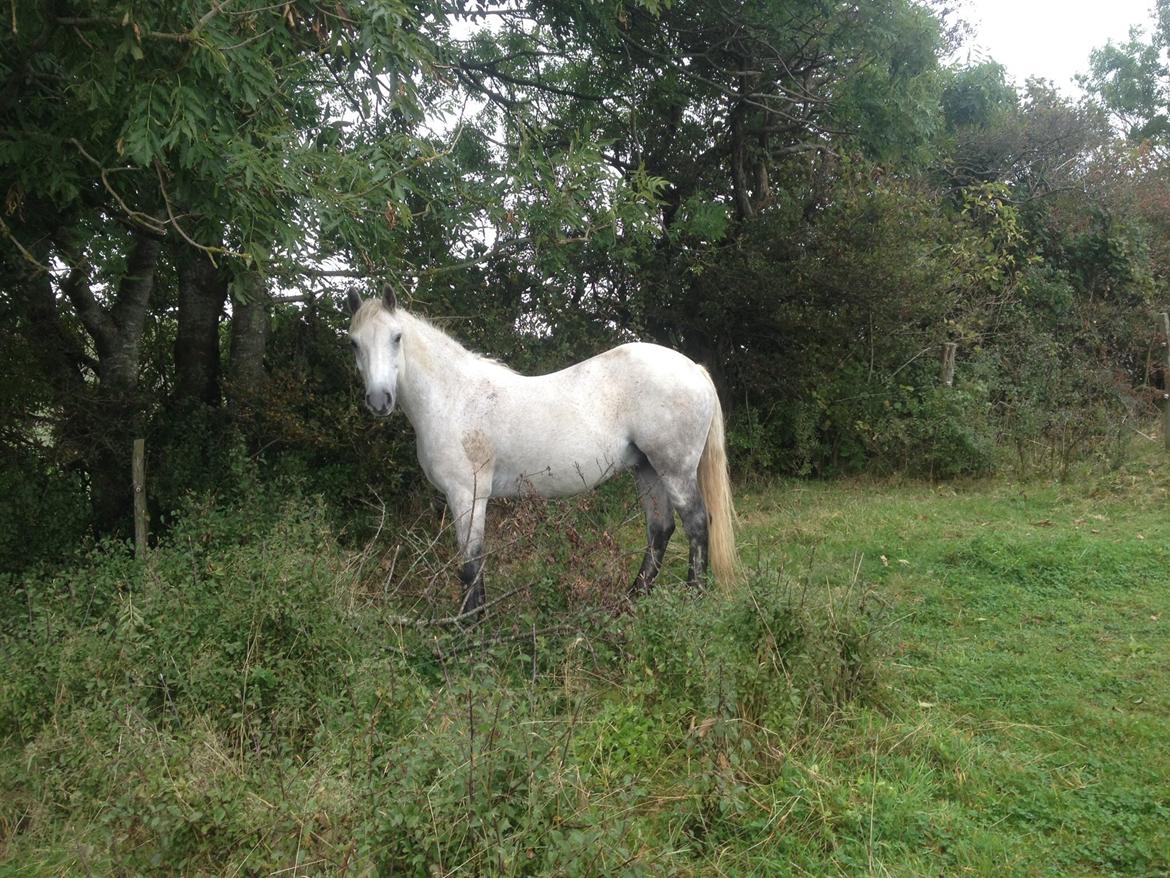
486	431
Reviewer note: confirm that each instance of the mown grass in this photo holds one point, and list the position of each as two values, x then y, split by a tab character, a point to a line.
1028	708
913	680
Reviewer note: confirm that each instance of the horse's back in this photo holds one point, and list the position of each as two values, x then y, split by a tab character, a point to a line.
566	431
630	383
641	363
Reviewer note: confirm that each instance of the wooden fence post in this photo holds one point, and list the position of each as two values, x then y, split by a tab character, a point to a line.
948	363
138	472
1166	381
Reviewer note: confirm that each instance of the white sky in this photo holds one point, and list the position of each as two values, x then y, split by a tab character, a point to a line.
1049	38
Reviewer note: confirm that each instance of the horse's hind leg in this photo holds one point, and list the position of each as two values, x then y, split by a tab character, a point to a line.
688	500
659	525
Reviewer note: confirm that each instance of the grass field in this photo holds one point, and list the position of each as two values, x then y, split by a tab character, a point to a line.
914	680
1027	711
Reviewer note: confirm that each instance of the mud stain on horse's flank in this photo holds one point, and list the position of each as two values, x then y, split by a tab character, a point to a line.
477	448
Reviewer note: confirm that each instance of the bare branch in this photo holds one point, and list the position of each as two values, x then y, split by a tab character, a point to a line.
145	221
454	620
40	266
210	251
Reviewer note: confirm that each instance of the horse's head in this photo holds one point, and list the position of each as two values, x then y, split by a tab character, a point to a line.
375	331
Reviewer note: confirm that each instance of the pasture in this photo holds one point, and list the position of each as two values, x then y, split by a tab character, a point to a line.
915	679
830	234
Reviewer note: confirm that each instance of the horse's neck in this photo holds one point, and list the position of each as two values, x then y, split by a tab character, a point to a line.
437	369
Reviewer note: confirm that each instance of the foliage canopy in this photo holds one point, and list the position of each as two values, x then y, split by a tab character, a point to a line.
805	198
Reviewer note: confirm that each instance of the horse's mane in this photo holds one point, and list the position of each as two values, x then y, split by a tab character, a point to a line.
434	334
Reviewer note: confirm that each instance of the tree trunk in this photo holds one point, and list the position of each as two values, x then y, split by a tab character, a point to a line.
948	363
138	482
249	340
57	354
118	366
739	176
117	336
202	293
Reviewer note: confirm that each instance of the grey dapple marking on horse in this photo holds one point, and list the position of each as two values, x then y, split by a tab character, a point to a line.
486	431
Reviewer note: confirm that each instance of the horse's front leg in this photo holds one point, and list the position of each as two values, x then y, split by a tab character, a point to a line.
470	515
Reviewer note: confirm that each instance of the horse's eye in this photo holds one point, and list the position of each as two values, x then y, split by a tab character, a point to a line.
397	337
353	343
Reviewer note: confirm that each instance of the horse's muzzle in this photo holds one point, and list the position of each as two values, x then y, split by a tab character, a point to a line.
380	402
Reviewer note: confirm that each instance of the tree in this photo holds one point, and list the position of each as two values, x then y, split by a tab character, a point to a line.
207	139
721	112
1132	81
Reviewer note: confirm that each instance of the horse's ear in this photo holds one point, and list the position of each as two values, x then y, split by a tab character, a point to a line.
355	301
388	297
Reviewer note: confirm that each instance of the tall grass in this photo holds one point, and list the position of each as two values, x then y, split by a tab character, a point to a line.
964	679
257	699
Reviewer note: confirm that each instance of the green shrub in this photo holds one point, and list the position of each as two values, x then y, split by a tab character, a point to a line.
938	432
764	652
236	616
917	428
44	514
482	784
239	704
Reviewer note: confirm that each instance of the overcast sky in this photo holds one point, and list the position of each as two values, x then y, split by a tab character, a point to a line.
1049	38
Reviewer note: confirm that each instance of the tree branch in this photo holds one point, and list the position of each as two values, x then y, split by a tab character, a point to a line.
217	6
454	620
135	288
93	317
93	21
145	221
210	251
491	69
40	266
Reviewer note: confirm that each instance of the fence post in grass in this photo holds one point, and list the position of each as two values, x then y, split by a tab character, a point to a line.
138	474
1166	380
948	363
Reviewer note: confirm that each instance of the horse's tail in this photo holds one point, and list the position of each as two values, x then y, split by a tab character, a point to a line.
715	485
